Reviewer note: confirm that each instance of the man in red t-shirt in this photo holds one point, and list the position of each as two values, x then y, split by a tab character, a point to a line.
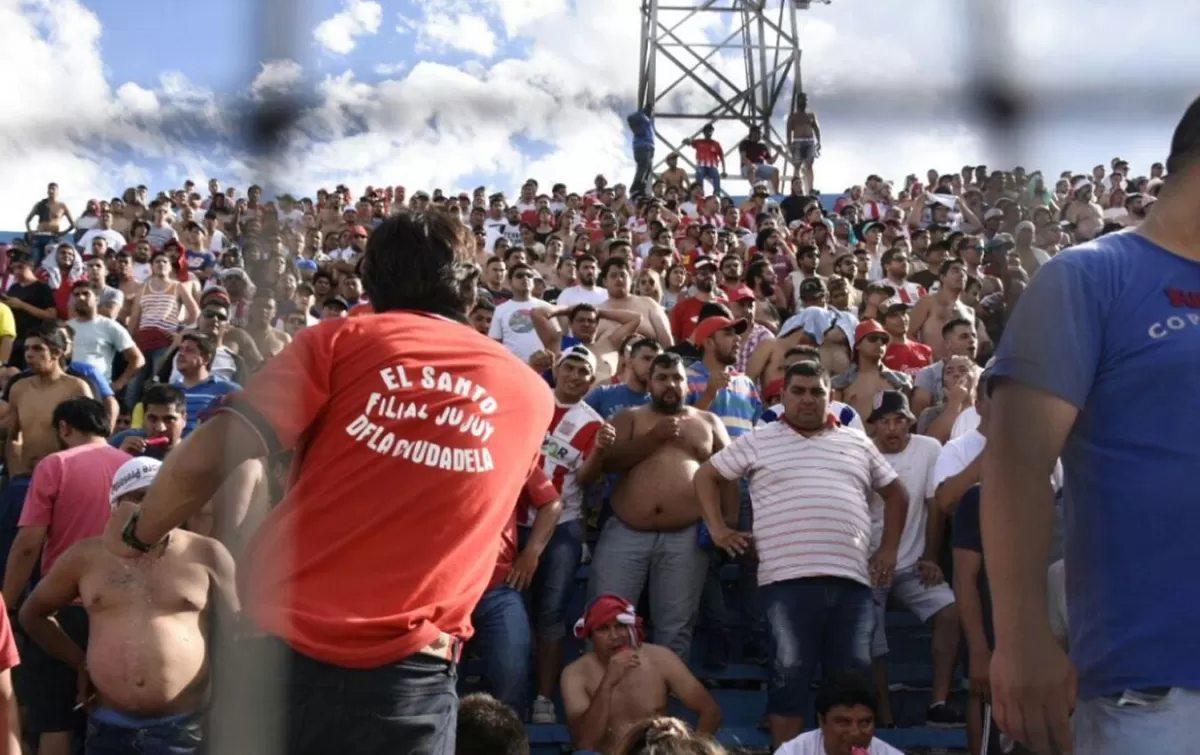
412	436
502	638
10	726
686	312
903	354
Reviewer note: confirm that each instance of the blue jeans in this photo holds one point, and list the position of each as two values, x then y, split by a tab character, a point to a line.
825	620
1167	720
12	502
503	642
555	578
643	158
134	388
712	173
409	706
112	733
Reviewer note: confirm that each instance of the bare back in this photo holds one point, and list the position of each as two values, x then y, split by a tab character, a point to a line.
940	312
644	306
657	494
147	648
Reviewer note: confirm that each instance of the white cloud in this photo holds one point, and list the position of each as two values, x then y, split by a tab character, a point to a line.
467	32
276	77
338	34
560	75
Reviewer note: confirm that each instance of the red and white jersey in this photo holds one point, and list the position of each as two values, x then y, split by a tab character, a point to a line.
568	442
909	293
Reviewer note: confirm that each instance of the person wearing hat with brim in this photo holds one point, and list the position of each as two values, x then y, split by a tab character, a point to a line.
867	376
190	586
919	584
743	305
686	312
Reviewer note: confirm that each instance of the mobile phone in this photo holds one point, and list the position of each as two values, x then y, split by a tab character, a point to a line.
156	448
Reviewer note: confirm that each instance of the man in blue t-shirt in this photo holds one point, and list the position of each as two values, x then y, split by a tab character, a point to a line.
200	387
1098	365
641	123
633	390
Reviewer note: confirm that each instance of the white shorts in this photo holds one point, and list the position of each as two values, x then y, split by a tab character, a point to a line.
924	602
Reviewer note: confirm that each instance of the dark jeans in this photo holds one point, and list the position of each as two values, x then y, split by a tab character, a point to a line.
503	642
112	733
554	582
643	157
410	707
12	502
825	620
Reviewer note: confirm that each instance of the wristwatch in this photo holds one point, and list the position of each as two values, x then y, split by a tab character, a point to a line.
130	538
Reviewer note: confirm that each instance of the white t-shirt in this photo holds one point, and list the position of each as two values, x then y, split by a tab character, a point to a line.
915	465
966	421
579	295
98	340
512	326
958	454
813	743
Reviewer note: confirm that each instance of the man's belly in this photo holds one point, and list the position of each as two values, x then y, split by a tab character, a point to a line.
148	667
658	495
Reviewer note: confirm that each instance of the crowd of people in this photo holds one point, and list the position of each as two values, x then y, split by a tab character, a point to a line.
656	381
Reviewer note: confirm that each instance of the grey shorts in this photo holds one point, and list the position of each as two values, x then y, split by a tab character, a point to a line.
804	150
924	602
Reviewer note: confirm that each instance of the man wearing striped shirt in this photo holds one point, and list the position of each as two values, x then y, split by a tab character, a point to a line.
810	486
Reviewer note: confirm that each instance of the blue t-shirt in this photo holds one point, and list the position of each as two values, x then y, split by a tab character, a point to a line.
101	389
1113	328
642	128
201	261
611	400
201	395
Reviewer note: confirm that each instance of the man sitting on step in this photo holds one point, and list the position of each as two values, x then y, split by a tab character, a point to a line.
623	680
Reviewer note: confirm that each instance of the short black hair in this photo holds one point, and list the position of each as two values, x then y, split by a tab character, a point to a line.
207	348
1185	143
948	263
82	414
667	360
846	688
485	305
713	309
581	307
50	332
161	394
512	271
756	271
953	323
579	260
808	352
644	343
612	262
807	369
487	726
412	261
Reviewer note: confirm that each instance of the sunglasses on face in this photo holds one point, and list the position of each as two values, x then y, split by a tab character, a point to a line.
215	315
877	338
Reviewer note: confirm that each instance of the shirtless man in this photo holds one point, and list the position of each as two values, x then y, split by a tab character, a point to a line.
618	277
652	533
49	213
584	320
146	663
804	138
31	432
260	325
867	378
935	310
623	681
1084	211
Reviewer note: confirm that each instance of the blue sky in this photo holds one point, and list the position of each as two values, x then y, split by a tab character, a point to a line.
455	93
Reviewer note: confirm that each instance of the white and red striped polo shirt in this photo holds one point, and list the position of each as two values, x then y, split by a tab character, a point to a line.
811	499
708	153
908	293
568	442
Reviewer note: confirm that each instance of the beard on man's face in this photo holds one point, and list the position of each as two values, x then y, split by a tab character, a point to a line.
670	401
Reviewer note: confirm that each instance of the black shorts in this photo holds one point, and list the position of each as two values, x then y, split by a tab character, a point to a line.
50	685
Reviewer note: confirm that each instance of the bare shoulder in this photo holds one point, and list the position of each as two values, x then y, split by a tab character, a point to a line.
202	549
704	416
581	669
79	385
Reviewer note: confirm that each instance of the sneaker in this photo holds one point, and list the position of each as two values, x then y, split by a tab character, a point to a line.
942	716
543	711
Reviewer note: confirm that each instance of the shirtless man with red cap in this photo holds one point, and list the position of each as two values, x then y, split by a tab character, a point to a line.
623	681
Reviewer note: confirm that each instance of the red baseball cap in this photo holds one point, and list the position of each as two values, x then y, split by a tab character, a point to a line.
866	328
358	230
710	326
741	293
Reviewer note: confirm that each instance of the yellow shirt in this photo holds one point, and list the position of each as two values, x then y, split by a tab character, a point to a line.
8	323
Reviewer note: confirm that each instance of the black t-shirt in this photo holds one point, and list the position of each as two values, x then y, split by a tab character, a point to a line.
966	536
37	294
755	152
925	279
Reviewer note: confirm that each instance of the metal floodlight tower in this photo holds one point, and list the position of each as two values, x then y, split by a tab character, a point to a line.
735	76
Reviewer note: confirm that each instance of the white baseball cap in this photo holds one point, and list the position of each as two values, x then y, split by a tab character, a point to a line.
134	475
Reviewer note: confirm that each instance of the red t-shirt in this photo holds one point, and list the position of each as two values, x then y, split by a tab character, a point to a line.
708	152
68	495
908	357
419	433
9	658
359	310
538	492
685	314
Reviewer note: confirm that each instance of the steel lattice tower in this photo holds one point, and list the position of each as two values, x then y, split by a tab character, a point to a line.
679	51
